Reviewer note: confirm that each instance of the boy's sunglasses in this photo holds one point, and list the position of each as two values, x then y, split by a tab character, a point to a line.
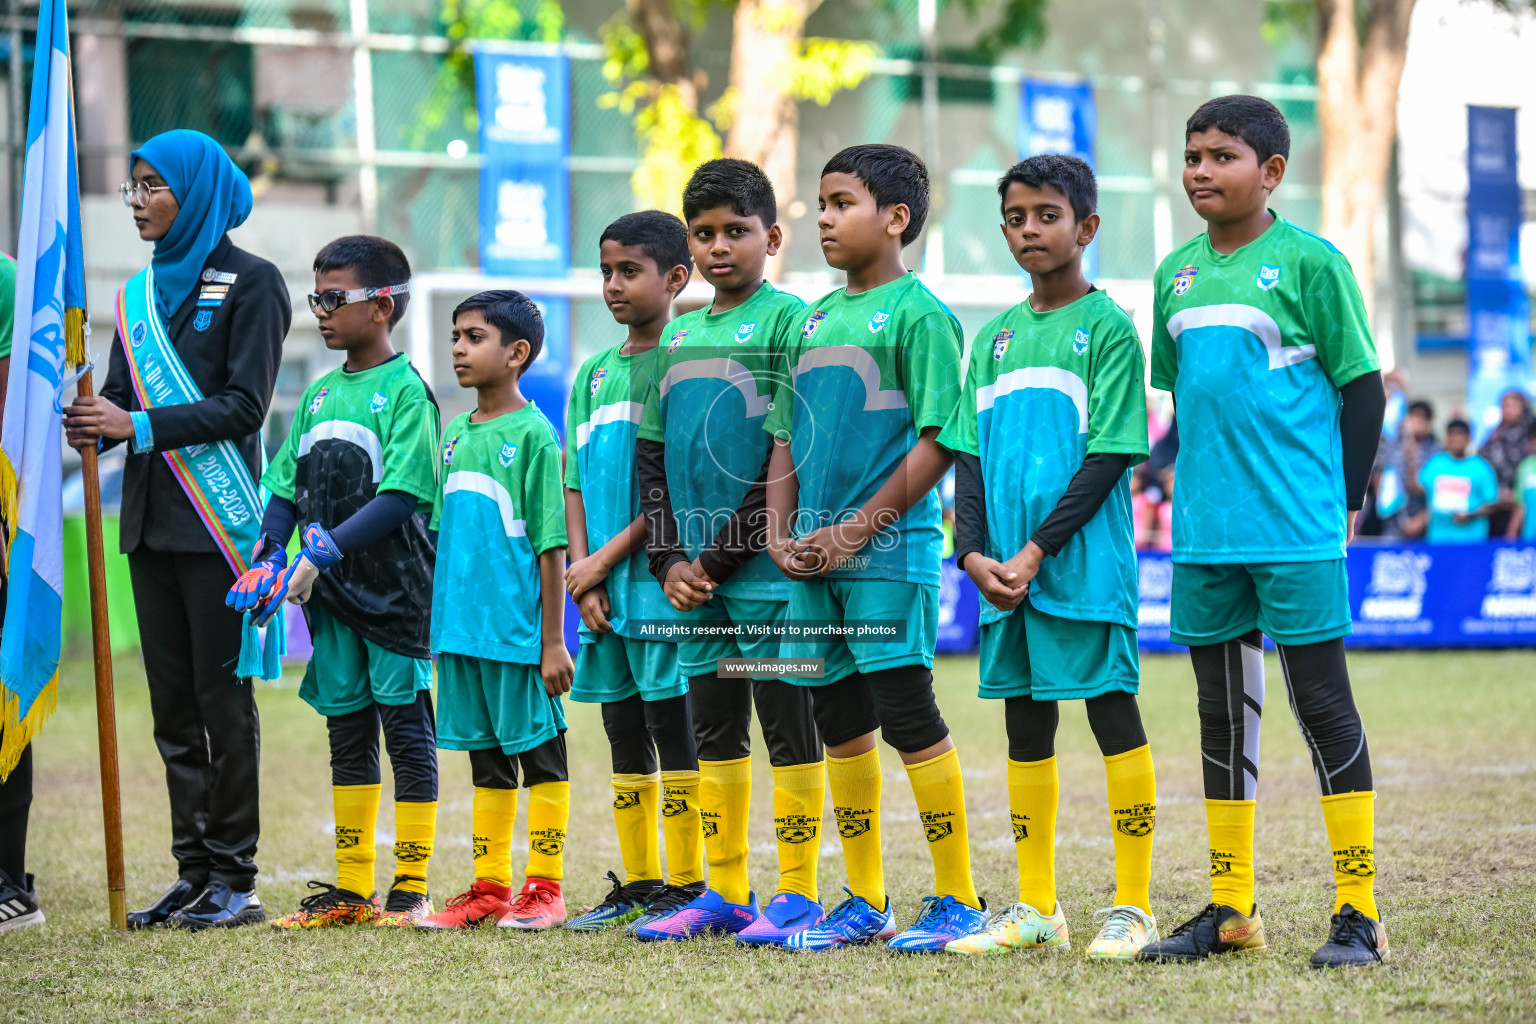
331	301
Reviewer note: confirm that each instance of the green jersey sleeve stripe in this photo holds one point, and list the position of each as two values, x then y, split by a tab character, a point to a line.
721	368
1249	318
616	412
489	487
346	430
860	362
1053	378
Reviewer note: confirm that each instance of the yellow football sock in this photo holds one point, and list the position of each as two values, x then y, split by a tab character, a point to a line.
495	811
1132	791
635	800
415	831
549	811
1230	825
855	785
725	799
1351	821
799	791
680	823
357	815
940	793
1033	792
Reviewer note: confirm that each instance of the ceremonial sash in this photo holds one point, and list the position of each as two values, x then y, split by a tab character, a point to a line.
213	475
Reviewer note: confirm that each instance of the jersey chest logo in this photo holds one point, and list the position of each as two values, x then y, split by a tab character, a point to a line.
811	324
508	453
203	318
1184	278
380	400
1080	342
1000	342
1268	277
314	406
677	339
744	333
878	321
596	381
448	447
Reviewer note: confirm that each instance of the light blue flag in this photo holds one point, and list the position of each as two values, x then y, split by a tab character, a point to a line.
48	341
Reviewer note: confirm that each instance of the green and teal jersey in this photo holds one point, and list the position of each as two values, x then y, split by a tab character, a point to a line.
7	303
867	373
711	389
1044	391
353	436
1255	345
603	417
1453	485
499	507
1525	495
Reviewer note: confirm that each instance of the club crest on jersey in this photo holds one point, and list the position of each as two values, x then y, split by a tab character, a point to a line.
314	406
878	321
203	318
1080	341
744	333
1268	277
1000	342
677	339
597	381
1184	278
812	324
448	447
380	400
508	453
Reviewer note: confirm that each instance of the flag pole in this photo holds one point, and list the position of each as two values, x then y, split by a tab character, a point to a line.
101	649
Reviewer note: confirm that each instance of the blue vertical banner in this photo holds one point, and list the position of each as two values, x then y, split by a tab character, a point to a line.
525	178
548	380
1498	312
1060	117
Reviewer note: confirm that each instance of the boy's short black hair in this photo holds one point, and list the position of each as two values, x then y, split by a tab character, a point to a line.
1458	424
893	175
1253	119
1422	405
739	184
513	314
1068	175
374	261
658	234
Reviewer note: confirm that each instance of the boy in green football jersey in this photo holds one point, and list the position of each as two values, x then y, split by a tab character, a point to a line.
702	458
1260	333
498	615
356	475
644	696
1053	415
872	377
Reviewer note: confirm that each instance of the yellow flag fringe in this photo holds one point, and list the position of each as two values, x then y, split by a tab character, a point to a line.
74	337
16	733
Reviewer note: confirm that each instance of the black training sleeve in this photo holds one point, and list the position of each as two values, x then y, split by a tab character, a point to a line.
1360	420
385	511
1090	485
970	507
662	546
744	534
277	523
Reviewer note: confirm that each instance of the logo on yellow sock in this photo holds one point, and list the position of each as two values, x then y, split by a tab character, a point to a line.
1221	863
852	822
1136	820
674	803
796	828
1355	860
549	841
622	801
347	838
408	852
482	846
935	827
711	823
1020	830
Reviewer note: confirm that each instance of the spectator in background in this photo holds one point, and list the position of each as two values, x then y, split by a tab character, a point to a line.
1462	489
1504	450
1152	482
1398	498
1522	524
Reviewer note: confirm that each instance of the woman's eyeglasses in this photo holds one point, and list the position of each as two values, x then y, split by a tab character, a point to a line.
333	300
138	195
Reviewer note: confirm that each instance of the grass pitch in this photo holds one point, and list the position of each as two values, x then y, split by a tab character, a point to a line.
1456	822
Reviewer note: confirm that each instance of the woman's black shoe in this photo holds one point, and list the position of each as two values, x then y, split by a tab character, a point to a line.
177	896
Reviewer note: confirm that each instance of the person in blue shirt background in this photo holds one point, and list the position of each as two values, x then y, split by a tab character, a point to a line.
1461	489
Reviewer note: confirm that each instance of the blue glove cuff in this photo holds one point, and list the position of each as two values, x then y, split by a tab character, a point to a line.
143	436
320	547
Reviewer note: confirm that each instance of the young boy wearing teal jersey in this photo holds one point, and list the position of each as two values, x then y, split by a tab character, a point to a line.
873	374
1260	333
356	475
498	610
1461	490
1053	415
643	693
1522	523
702	458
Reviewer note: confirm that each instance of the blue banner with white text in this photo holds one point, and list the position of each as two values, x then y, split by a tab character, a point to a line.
525	179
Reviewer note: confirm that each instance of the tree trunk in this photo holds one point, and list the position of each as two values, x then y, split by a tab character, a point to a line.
666	44
765	120
1357	117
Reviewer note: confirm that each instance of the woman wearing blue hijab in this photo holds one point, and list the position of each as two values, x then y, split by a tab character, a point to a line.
200	335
